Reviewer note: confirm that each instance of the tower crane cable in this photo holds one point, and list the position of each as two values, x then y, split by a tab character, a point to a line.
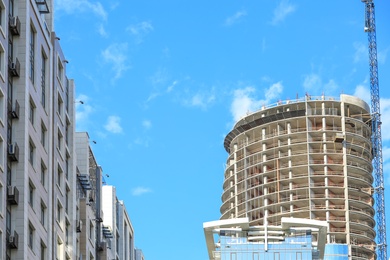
379	196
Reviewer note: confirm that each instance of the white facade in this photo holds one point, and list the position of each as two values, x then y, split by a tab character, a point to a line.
117	227
126	233
50	182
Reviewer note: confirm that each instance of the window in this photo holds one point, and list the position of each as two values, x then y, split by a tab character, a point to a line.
2	16
30	236
67	200
43	250
11	8
32	112
67	167
43	213
8	220
43	134
60	70
43	79
67	95
31	151
67	234
1	153
60	103
43	174
59	249
59	212
31	189
59	176
91	228
32	53
1	199
1	244
2	105
117	242
2	57
67	133
59	141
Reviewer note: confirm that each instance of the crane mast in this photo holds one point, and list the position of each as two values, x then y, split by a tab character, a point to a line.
379	190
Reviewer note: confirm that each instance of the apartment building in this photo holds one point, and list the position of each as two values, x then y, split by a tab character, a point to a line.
117	228
50	186
125	232
139	255
37	135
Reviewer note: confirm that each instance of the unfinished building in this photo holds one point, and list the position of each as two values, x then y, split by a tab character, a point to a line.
307	158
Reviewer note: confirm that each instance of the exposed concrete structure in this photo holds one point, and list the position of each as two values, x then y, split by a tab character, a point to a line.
308	158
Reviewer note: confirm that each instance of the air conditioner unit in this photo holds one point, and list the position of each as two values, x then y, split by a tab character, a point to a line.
92	196
13	152
14	25
13	240
12	195
14	67
79	226
15	110
102	246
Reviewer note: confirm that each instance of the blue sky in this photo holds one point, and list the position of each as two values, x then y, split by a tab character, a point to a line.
164	81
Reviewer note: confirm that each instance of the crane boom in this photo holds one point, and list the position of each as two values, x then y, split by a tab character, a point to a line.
379	195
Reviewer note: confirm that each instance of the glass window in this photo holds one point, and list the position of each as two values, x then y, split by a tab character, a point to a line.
32	53
30	236
43	79
31	153
43	214
31	195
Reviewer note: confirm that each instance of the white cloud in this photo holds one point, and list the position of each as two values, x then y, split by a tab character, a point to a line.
382	55
281	11
138	191
235	18
363	93
312	82
274	91
102	31
71	7
140	30
201	99
385	118
331	86
361	51
147	124
244	100
113	125
386	164
116	55
170	87
243	103
142	141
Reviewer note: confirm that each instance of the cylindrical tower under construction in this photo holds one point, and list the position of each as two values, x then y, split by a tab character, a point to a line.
307	158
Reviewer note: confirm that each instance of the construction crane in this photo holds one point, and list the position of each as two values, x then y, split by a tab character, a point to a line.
379	191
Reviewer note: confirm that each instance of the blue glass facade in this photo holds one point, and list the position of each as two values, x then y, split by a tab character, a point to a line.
336	252
297	247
